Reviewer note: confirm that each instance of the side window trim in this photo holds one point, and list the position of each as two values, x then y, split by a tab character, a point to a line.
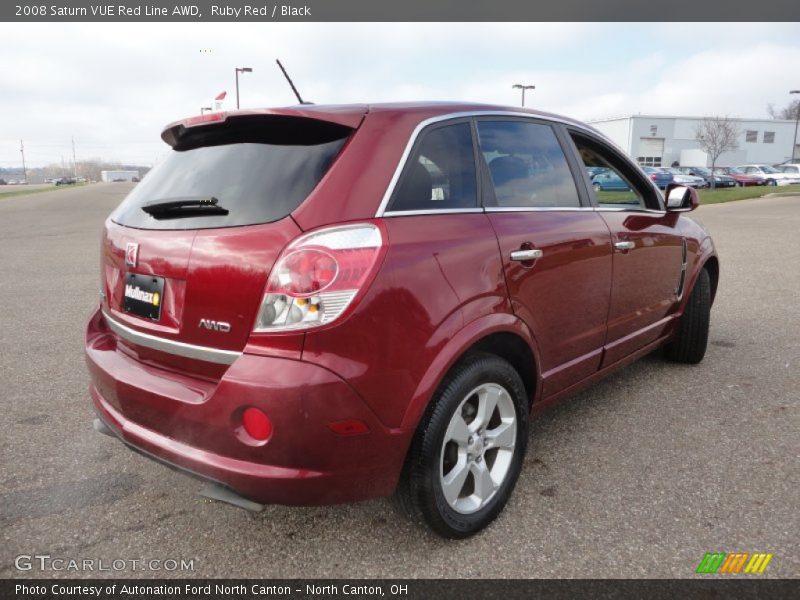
488	190
642	185
576	166
404	168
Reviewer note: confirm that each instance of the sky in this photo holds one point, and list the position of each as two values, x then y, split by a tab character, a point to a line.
113	86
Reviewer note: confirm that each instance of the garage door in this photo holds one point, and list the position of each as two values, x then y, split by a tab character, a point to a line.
651	150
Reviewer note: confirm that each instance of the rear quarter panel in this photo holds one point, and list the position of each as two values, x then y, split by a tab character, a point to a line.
440	273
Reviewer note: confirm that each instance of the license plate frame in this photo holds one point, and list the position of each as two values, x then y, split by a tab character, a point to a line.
143	295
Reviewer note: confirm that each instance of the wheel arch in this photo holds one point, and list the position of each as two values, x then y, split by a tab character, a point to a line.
512	348
712	266
500	334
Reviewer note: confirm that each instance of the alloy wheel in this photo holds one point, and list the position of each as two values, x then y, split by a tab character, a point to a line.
478	448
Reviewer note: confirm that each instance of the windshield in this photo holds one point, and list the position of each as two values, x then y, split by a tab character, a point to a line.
769	170
252	182
701	171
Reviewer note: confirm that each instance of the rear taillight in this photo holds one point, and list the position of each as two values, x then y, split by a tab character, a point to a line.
317	277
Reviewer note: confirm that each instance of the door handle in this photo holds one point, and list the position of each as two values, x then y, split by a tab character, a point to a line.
624	245
523	255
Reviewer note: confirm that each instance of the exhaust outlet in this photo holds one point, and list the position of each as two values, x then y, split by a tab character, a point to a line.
101	427
223	494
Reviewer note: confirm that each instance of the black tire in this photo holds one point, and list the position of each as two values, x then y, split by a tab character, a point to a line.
419	494
689	345
771	182
597	187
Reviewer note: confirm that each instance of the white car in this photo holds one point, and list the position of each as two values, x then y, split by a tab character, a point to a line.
770	174
790	168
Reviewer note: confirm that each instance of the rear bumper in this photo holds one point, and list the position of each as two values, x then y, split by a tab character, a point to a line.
193	424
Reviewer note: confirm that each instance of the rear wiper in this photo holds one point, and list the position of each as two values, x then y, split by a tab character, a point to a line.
175	208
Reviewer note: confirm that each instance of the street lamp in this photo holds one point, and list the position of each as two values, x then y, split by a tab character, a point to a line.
203	109
519	86
240	70
796	121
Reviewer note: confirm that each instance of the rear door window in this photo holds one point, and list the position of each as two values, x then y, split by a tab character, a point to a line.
527	165
440	173
258	171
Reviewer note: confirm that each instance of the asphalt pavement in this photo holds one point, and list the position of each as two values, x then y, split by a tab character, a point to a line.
638	476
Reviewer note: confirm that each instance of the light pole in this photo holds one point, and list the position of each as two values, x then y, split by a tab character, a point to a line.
240	70
203	109
519	86
796	121
24	168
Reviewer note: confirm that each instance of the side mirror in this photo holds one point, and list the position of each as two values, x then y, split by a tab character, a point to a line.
681	198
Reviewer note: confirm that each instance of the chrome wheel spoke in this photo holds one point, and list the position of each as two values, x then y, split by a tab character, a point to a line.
502	436
457	431
487	402
453	482
484	484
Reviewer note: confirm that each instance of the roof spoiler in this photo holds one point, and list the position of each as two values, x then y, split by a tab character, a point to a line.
349	117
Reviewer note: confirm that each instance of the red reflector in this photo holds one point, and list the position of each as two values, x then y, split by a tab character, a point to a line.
256	424
349	427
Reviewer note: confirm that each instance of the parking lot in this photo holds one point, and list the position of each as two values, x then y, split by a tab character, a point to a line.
639	476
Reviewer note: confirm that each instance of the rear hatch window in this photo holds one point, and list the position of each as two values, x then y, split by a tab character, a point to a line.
242	171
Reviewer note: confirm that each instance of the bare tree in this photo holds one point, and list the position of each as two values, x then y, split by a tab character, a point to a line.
788	112
715	136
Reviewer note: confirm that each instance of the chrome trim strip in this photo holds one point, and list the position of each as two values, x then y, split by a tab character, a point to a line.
436	211
500	209
223	357
639	210
381	212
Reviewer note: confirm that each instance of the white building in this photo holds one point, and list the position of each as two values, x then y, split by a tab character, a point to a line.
660	141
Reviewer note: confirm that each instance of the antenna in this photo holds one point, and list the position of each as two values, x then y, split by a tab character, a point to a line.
289	79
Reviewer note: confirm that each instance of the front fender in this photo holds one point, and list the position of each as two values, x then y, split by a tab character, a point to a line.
705	252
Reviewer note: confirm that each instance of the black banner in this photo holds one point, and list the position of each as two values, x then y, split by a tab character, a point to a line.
411	589
407	10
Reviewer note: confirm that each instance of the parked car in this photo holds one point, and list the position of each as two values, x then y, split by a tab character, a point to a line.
608	180
65	181
770	174
3	182
12	182
790	168
741	178
659	176
595	171
348	314
682	178
719	180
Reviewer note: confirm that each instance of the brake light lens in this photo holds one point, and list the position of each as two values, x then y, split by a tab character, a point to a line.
317	277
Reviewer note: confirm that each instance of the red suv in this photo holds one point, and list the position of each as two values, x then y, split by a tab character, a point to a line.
324	304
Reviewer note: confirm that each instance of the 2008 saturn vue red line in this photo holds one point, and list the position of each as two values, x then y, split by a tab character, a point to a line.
323	304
